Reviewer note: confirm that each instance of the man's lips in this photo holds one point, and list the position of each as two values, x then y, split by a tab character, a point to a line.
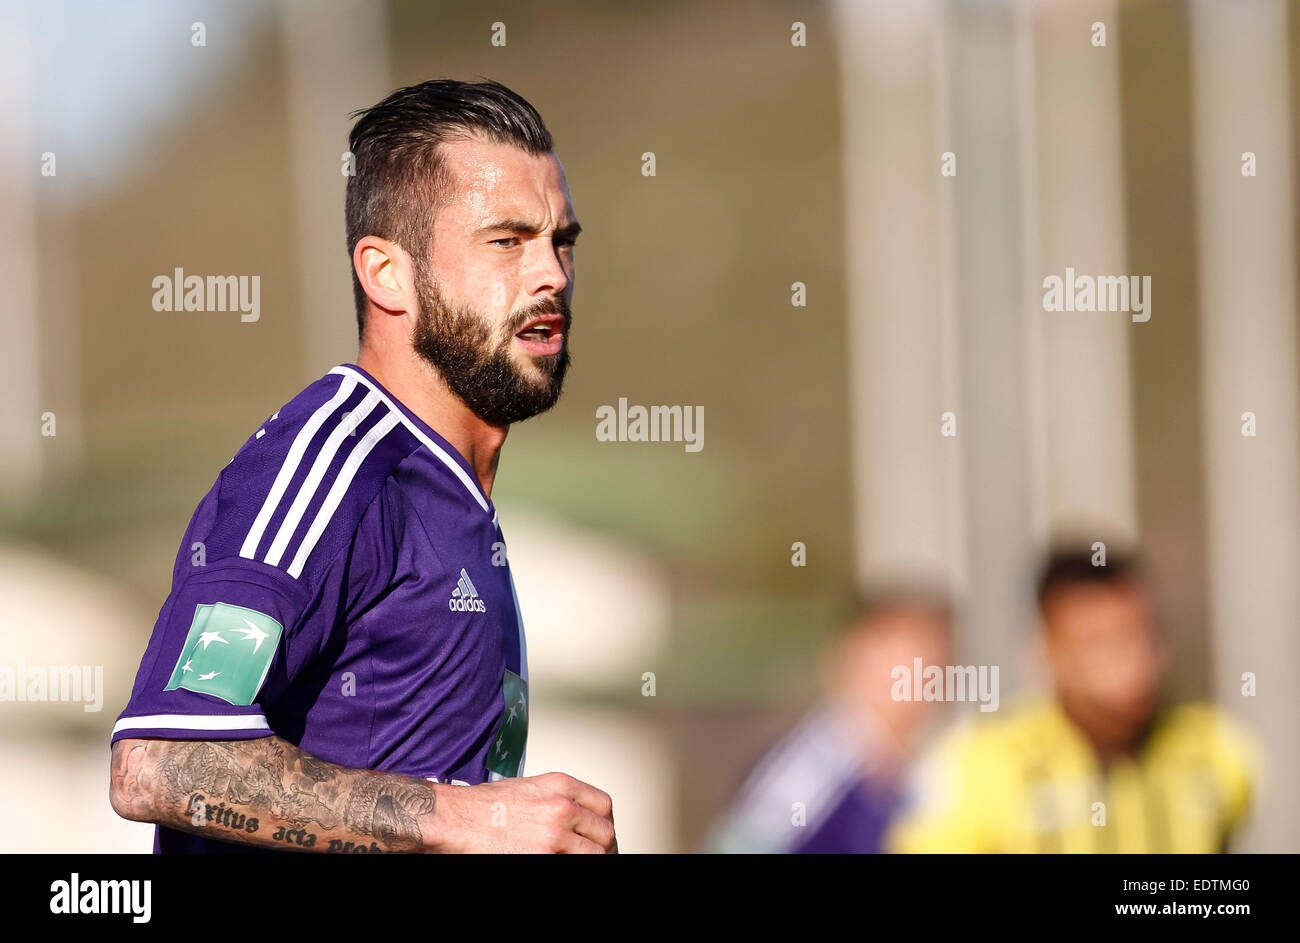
542	335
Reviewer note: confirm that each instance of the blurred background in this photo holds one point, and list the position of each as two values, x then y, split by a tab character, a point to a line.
800	265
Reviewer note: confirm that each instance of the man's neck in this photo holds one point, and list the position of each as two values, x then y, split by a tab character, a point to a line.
424	393
1109	741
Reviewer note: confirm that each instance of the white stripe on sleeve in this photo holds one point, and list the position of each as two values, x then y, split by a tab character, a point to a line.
313	480
193	722
300	443
339	488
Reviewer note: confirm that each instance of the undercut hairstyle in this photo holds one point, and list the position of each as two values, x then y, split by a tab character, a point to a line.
399	174
1071	565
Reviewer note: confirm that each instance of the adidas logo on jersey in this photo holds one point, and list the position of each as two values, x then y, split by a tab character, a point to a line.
465	598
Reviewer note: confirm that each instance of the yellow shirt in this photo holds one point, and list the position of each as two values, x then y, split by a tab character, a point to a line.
1028	781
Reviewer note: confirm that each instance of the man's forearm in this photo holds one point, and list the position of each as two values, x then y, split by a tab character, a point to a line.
269	793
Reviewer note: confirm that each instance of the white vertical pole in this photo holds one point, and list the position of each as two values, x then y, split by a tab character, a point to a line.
1246	259
1083	415
906	524
337	56
21	458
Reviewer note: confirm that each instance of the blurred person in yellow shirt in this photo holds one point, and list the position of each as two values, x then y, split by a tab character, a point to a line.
1101	766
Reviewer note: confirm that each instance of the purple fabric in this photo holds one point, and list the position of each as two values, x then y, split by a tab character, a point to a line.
857	825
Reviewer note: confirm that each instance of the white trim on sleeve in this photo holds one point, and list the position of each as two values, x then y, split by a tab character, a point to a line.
194	722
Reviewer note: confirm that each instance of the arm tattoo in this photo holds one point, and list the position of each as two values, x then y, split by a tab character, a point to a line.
269	793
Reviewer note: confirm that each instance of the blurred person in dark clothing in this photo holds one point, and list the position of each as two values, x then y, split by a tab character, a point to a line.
1101	765
831	784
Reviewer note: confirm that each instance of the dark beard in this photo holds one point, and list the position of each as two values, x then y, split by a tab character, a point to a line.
457	342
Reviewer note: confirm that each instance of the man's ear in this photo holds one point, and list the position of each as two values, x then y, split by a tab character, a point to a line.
386	274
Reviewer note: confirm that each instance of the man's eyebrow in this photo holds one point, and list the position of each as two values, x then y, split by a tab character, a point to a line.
522	226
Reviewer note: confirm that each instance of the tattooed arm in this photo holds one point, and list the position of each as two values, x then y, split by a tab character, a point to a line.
268	793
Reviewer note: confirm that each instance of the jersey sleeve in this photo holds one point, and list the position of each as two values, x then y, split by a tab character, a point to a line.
797	786
268	572
1232	755
230	637
1237	764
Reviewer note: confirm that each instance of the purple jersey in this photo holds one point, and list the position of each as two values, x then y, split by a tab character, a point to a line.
818	791
344	585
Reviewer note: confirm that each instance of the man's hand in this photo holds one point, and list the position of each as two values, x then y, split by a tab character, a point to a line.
551	813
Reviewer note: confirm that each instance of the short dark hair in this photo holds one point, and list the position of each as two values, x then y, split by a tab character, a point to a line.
859	607
398	171
1068	565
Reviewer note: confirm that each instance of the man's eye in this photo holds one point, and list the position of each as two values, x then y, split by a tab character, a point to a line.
508	239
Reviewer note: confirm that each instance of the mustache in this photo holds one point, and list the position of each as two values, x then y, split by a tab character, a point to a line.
550	305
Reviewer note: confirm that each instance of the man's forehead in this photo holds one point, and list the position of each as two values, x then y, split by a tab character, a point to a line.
1114	606
485	172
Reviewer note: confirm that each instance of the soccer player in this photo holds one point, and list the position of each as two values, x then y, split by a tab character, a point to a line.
340	665
832	784
1102	765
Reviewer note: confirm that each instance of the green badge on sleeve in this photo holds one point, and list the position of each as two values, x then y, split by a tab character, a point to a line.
507	750
227	653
